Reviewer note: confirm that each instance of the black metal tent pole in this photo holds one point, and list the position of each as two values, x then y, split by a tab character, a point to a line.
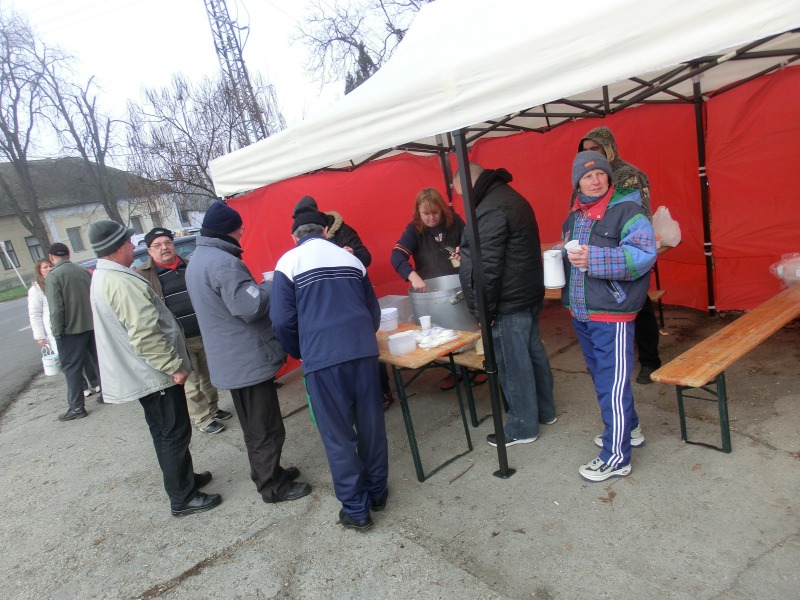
704	195
489	363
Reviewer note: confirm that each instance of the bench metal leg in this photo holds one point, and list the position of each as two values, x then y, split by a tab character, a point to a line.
719	395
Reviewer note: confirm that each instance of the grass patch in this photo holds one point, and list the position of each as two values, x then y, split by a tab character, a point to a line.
13	293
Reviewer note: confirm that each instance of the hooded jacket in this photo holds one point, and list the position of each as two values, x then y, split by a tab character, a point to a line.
510	247
341	234
625	175
233	313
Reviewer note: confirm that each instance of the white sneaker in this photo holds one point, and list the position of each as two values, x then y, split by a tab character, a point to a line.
597	470
637	438
87	393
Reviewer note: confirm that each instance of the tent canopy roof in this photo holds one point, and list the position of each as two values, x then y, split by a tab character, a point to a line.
513	65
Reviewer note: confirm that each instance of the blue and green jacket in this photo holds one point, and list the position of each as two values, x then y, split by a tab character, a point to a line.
622	250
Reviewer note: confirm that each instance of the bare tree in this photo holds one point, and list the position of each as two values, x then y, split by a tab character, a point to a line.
22	106
180	128
354	40
82	128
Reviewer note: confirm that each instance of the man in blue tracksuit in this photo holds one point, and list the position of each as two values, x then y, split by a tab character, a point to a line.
325	312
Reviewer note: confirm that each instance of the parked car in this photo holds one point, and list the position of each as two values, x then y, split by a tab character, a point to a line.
184	246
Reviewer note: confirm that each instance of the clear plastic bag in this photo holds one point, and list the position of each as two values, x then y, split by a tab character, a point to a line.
668	232
787	269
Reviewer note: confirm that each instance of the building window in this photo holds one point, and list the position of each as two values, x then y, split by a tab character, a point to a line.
11	254
75	239
136	223
156	219
34	247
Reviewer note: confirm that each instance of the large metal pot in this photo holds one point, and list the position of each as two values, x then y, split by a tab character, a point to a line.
444	301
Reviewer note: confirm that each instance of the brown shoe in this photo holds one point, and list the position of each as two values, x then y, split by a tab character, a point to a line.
448	383
480	378
388	400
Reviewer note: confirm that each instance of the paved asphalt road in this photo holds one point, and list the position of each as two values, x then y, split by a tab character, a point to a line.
20	357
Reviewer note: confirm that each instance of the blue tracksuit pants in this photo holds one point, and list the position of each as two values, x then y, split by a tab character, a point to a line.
348	406
608	349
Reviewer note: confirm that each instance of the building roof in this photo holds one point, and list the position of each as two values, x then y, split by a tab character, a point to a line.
62	182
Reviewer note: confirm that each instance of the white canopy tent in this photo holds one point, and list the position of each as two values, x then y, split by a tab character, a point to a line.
470	68
465	63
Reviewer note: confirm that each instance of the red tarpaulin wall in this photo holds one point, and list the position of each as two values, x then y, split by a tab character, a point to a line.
754	134
751	154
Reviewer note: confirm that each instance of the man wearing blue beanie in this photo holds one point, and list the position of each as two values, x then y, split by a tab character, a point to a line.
243	353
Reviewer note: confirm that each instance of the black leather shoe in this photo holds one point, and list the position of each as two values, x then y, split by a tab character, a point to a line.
199	503
73	414
292	473
349	522
380	504
297	490
644	375
202	479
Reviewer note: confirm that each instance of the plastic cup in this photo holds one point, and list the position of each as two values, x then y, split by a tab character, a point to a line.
574	244
425	323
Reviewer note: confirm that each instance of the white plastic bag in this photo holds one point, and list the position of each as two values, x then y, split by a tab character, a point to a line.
787	269
668	232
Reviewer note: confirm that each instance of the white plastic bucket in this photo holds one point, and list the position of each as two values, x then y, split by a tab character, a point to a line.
50	361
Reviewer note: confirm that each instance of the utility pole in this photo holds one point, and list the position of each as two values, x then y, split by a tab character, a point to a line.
248	118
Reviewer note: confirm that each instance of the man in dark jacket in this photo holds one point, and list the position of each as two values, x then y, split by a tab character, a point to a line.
243	353
326	313
71	321
165	271
626	176
514	280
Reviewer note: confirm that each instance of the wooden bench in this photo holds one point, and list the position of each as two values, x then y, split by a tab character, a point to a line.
703	366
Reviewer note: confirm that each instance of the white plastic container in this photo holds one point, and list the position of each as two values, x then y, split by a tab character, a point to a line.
389	319
402	343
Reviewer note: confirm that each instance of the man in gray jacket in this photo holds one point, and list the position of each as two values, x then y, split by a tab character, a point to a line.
243	353
67	292
143	357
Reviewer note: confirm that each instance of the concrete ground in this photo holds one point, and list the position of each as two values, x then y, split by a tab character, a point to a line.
85	514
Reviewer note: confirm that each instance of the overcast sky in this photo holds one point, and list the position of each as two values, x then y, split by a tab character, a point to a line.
128	44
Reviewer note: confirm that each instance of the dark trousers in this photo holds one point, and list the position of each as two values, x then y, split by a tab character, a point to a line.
73	350
262	425
349	410
647	336
168	419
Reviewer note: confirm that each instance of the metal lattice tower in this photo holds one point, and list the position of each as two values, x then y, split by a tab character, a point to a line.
249	119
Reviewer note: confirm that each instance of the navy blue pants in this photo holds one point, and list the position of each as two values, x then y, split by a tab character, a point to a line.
348	406
608	349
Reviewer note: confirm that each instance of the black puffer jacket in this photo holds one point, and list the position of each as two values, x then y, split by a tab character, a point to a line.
510	248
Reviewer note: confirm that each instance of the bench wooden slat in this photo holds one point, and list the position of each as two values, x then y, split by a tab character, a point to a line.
703	362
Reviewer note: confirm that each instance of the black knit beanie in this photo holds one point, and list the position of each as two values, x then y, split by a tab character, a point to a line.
305	212
221	218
